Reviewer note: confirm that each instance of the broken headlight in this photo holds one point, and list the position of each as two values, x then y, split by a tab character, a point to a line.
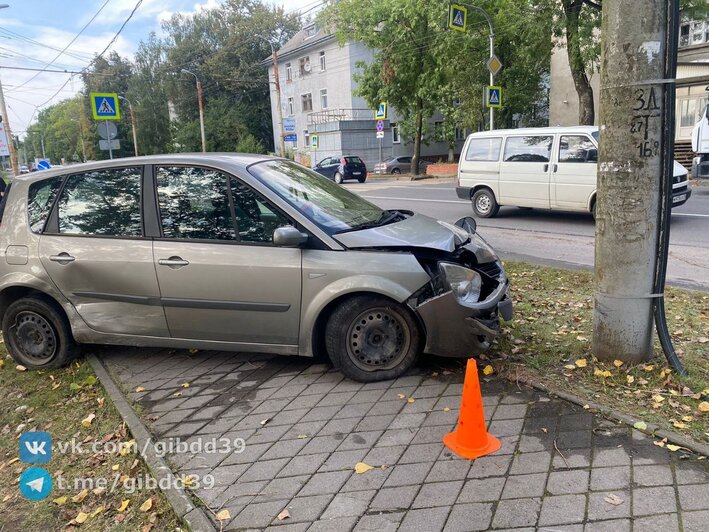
465	283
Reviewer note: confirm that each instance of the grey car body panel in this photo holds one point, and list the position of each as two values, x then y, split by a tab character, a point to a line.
341	265
415	231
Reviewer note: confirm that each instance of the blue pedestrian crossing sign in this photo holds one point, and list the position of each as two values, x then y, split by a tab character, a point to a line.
457	17
493	96
314	141
381	113
105	106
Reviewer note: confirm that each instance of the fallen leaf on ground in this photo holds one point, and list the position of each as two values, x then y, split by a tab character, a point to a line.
702	339
488	370
570	366
177	394
630	379
185	384
640	425
97	511
618	363
361	467
602	373
147	505
86	422
302	436
673	448
60	500
649	367
658	398
264	421
81	518
115	467
79	497
446	409
401	396
687	419
139	389
581	363
123	506
703	406
285	514
679	425
411	400
98	491
223	515
20	367
613	499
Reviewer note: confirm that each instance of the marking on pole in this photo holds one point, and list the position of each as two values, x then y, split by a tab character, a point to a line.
493	96
104	106
381	112
457	17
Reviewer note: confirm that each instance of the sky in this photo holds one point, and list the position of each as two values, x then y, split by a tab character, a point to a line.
34	32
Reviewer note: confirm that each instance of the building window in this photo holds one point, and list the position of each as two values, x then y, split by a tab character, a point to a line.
304	66
291	107
684	35
460	133
311	30
306	102
693	32
322	61
306	138
323	98
395	133
289	72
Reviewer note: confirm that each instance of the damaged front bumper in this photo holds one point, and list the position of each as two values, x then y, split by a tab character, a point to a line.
456	330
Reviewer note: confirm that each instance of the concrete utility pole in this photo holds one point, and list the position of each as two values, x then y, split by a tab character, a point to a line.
8	131
276	79
201	108
132	123
633	59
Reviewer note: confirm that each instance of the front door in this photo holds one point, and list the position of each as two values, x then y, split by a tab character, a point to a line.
94	250
574	177
525	170
221	278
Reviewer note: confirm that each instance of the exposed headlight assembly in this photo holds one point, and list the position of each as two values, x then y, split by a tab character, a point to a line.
463	282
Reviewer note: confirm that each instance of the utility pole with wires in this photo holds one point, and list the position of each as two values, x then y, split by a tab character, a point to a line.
637	99
8	132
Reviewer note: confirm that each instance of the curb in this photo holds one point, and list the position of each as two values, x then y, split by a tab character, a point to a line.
178	499
651	430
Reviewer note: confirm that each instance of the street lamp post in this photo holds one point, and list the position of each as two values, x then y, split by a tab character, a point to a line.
41	141
132	125
201	109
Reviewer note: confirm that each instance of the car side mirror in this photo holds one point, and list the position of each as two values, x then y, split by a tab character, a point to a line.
468	223
592	155
289	237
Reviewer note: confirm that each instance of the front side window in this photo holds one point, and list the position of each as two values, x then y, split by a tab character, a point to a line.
577	149
39	201
256	218
487	149
194	204
102	202
531	149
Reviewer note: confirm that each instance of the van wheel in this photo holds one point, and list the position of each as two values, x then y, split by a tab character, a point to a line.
338	178
593	210
37	334
484	203
372	338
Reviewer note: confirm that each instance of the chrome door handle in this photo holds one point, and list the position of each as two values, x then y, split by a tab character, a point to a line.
62	258
173	262
546	167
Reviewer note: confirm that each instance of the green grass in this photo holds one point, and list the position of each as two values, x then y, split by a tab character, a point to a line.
57	401
552	329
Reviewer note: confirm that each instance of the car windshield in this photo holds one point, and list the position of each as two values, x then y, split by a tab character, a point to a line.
330	206
595	135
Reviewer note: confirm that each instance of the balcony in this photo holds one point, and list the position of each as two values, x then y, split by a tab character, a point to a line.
339	115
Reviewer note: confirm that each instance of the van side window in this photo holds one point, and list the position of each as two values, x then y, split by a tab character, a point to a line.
39	201
484	149
532	149
577	149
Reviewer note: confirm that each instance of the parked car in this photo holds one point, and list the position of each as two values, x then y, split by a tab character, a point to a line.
398	165
242	253
546	168
24	169
340	168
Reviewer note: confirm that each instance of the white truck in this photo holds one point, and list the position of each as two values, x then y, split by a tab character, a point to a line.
700	146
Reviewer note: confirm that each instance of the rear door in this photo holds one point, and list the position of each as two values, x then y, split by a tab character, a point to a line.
574	176
525	171
94	250
221	278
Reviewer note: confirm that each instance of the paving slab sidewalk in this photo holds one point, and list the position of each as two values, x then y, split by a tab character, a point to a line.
304	428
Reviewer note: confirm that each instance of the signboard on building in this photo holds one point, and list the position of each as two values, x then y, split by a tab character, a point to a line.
290	137
289	125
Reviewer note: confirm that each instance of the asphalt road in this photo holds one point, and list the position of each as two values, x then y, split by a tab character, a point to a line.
551	237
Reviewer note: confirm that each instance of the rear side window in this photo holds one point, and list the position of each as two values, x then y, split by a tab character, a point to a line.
102	203
483	149
577	149
532	149
39	201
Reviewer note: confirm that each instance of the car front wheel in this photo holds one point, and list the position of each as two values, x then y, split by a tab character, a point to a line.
372	338
37	334
484	203
338	178
395	171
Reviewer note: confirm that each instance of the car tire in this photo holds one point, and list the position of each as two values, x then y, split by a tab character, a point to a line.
338	178
395	171
484	203
37	334
362	179
593	210
372	338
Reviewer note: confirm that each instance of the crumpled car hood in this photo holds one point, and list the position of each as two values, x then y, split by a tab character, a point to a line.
415	231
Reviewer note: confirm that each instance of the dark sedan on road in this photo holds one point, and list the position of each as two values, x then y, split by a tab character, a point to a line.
340	168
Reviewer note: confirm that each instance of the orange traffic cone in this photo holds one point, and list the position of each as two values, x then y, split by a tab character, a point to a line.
471	439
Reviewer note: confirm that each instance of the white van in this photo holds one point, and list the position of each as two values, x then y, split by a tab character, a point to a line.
542	167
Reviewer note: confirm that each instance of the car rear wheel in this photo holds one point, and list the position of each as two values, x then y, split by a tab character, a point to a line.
372	338
396	171
484	203
338	178
37	334
362	179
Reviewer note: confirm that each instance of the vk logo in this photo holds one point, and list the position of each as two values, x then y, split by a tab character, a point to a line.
35	483
35	447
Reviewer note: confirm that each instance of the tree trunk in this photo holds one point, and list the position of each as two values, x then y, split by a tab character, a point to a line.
451	154
417	138
587	113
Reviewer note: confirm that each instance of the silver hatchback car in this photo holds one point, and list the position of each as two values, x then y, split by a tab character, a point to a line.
242	253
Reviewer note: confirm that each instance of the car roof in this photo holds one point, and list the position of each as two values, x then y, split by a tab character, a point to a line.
537	131
239	160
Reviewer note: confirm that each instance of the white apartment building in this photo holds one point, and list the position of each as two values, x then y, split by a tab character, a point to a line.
317	86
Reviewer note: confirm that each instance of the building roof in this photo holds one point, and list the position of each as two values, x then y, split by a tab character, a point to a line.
307	37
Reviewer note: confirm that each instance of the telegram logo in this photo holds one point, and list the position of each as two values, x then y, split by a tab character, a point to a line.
35	483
